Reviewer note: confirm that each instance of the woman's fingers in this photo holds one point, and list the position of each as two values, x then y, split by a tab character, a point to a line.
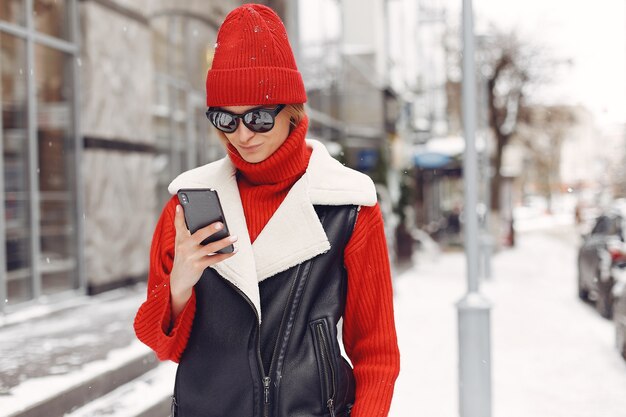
213	247
206	231
179	224
207	261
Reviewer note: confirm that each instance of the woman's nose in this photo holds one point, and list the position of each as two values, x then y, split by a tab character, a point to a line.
243	133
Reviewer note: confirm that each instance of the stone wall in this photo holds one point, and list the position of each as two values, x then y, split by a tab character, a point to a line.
117	78
120	209
116	75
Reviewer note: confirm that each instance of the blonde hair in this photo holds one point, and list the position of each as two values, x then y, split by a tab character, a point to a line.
295	112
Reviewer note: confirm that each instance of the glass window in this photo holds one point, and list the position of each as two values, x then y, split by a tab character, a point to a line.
56	150
15	152
159	44
13	11
178	123
177	47
200	50
52	18
182	51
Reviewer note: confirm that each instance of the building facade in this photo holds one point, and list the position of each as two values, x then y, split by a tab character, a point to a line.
102	104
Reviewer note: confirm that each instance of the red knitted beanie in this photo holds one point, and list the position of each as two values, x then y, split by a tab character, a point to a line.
253	62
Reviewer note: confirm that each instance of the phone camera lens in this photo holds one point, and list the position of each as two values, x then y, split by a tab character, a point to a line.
184	199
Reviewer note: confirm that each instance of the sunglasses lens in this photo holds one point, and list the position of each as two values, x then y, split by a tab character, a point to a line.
259	121
223	121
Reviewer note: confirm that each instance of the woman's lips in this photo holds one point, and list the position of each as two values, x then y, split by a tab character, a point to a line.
250	148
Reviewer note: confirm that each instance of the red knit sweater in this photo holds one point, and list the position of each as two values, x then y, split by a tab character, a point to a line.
369	334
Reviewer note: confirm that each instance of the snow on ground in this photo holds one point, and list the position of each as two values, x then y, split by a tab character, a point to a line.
36	390
552	355
426	326
133	398
62	341
47	350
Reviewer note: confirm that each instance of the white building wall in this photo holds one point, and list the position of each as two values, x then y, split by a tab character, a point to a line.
364	31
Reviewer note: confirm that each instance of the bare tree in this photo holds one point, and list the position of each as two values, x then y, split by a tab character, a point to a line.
511	70
542	131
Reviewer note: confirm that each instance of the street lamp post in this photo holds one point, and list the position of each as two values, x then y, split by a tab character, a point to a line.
473	308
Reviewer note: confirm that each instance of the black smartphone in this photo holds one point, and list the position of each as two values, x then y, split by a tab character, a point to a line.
202	207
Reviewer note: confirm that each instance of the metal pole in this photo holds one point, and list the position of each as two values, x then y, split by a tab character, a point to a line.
3	235
33	158
79	181
473	308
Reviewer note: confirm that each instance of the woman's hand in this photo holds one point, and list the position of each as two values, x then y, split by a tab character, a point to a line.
191	258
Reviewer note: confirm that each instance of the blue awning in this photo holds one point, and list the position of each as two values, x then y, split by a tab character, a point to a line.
431	160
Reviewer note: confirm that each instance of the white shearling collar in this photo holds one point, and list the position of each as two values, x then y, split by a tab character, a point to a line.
294	233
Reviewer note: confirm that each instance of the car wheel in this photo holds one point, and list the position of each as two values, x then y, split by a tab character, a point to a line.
604	300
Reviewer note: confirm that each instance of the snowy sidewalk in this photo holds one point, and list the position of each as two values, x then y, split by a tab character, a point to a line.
552	355
57	361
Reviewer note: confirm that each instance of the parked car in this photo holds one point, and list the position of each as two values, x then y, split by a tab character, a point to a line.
601	258
619	314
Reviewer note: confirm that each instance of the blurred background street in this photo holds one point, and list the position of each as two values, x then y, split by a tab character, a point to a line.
102	104
552	354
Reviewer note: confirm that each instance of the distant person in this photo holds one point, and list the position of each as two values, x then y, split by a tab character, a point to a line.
578	213
454	221
255	332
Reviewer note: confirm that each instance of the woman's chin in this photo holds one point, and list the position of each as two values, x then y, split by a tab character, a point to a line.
253	155
253	158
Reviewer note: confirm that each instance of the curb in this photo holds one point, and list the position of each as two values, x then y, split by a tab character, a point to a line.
91	389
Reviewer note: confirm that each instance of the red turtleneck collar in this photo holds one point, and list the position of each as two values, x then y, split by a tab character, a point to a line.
287	163
264	185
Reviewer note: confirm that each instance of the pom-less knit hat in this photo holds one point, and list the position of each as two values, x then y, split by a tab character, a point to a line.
253	62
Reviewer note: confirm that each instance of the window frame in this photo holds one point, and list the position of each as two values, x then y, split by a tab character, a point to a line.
70	47
182	153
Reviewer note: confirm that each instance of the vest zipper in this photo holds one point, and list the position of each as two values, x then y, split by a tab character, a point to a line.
174	407
329	371
265	378
266	389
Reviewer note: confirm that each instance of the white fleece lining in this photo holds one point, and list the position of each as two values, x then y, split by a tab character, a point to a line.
294	233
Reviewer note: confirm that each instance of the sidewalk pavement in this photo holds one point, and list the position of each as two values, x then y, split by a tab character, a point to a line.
61	360
552	355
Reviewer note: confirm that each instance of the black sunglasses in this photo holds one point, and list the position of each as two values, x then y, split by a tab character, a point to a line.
259	120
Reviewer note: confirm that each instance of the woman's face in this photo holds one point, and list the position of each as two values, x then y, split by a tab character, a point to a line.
256	147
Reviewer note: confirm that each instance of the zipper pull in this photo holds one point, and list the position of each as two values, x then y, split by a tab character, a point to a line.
331	407
266	385
173	407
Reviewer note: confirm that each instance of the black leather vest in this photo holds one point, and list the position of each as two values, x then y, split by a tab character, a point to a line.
290	365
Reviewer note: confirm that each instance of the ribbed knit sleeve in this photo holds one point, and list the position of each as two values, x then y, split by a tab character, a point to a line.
153	320
369	333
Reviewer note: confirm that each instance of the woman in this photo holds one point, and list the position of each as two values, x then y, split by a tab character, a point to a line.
255	332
